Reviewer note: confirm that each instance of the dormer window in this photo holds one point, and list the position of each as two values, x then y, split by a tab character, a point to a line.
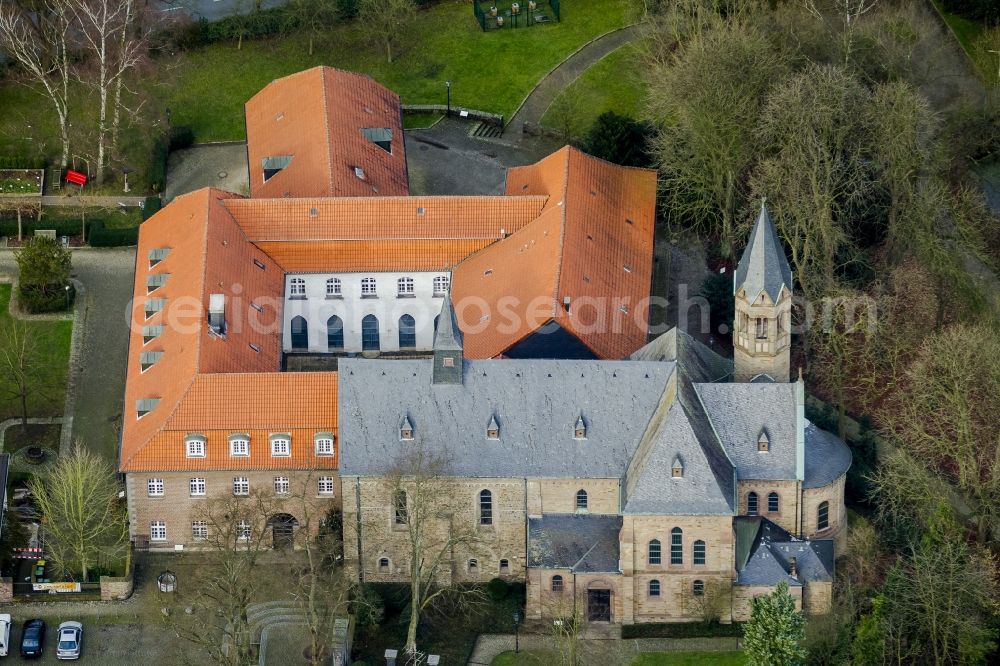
493	429
273	165
145	406
153	305
763	442
154	282
239	445
281	445
380	136
148	359
150	333
158	254
677	469
580	430
195	446
406	429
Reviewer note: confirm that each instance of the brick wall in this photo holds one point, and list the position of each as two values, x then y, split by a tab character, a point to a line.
559	495
177	508
787	501
744	594
834	494
817	598
113	589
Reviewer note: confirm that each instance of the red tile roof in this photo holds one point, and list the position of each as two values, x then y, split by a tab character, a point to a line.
316	118
592	245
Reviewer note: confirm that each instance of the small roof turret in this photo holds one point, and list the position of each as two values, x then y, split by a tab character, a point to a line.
763	268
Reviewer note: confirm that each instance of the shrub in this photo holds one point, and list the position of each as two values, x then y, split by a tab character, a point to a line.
181	137
37	300
619	139
151	207
43	266
682	630
717	289
64	226
497	589
101	237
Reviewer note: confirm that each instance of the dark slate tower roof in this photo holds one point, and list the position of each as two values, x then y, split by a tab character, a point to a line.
448	354
763	266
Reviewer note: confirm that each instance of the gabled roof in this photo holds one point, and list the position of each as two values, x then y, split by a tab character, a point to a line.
763	266
310	126
592	245
764	553
582	543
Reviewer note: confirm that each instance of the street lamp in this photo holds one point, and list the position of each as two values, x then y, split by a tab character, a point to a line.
67	297
517	642
447	85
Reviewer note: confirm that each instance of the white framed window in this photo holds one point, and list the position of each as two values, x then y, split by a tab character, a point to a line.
333	287
243	530
324	444
241	485
441	285
154	487
297	287
239	445
195	447
325	485
404	286
197	486
368	286
199	530
281	446
157	531
281	485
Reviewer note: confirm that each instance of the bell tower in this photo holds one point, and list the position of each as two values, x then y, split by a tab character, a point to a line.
762	288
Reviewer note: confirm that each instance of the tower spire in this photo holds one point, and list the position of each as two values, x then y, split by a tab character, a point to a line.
763	266
448	355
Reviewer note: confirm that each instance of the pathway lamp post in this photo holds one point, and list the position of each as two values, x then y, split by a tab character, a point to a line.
517	623
447	85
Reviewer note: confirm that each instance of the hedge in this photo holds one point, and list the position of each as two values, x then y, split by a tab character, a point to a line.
101	237
682	630
38	301
151	207
20	162
97	235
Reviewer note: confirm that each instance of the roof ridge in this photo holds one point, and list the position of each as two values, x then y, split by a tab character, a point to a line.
326	127
557	313
203	258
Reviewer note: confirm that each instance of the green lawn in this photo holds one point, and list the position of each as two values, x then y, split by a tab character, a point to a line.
613	84
52	339
968	31
519	659
493	71
690	659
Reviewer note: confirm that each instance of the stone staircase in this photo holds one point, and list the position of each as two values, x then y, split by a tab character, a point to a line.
487	130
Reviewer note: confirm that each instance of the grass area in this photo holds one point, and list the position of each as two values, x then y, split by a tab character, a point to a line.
968	31
519	659
420	120
52	339
493	71
44	435
690	659
613	84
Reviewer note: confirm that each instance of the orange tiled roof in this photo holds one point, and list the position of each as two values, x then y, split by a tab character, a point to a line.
592	245
316	118
371	255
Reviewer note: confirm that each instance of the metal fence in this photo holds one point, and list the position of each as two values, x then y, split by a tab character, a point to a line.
521	14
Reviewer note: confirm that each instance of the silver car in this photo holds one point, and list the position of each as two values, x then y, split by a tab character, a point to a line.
70	640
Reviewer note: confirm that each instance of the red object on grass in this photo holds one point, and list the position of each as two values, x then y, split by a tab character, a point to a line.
76	177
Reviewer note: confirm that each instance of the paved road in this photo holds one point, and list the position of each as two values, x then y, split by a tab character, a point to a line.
107	276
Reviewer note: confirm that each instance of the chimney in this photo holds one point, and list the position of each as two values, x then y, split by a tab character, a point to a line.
217	314
566	300
793	569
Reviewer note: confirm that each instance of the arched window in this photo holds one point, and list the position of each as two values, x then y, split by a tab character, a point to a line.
300	333
557	584
676	546
772	503
752	504
504	566
333	288
654	588
400	515
369	333
407	332
823	516
383	564
654	551
485	507
698	587
297	287
473	566
581	499
699	552
335	333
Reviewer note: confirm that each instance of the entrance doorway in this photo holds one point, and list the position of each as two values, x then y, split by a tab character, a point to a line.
599	605
283	530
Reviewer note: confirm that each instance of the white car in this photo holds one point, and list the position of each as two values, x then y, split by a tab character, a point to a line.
4	634
70	640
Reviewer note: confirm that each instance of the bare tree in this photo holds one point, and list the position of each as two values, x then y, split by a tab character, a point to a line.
108	30
842	17
313	17
37	38
21	364
433	520
386	21
567	625
84	519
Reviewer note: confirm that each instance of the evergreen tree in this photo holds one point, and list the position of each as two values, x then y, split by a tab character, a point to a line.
774	633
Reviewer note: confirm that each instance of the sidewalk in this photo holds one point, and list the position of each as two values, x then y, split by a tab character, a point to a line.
604	652
86	200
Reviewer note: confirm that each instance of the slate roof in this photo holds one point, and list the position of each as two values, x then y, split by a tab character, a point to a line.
827	457
582	543
592	244
4	464
738	412
316	118
763	266
536	404
764	552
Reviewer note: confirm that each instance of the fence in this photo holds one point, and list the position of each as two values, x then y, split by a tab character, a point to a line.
521	14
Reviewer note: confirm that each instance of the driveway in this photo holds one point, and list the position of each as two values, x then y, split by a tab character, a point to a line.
107	277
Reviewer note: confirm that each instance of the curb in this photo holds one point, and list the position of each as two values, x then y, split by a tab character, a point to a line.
10	423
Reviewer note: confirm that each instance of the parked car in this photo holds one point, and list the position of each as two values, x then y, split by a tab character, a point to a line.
4	634
32	639
70	640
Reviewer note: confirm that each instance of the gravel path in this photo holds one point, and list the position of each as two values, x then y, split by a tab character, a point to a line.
107	275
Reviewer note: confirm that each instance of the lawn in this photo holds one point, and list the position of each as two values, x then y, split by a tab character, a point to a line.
52	339
519	659
690	659
613	84
968	31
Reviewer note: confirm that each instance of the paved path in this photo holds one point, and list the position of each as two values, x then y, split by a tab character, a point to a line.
607	652
102	322
553	83
87	200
